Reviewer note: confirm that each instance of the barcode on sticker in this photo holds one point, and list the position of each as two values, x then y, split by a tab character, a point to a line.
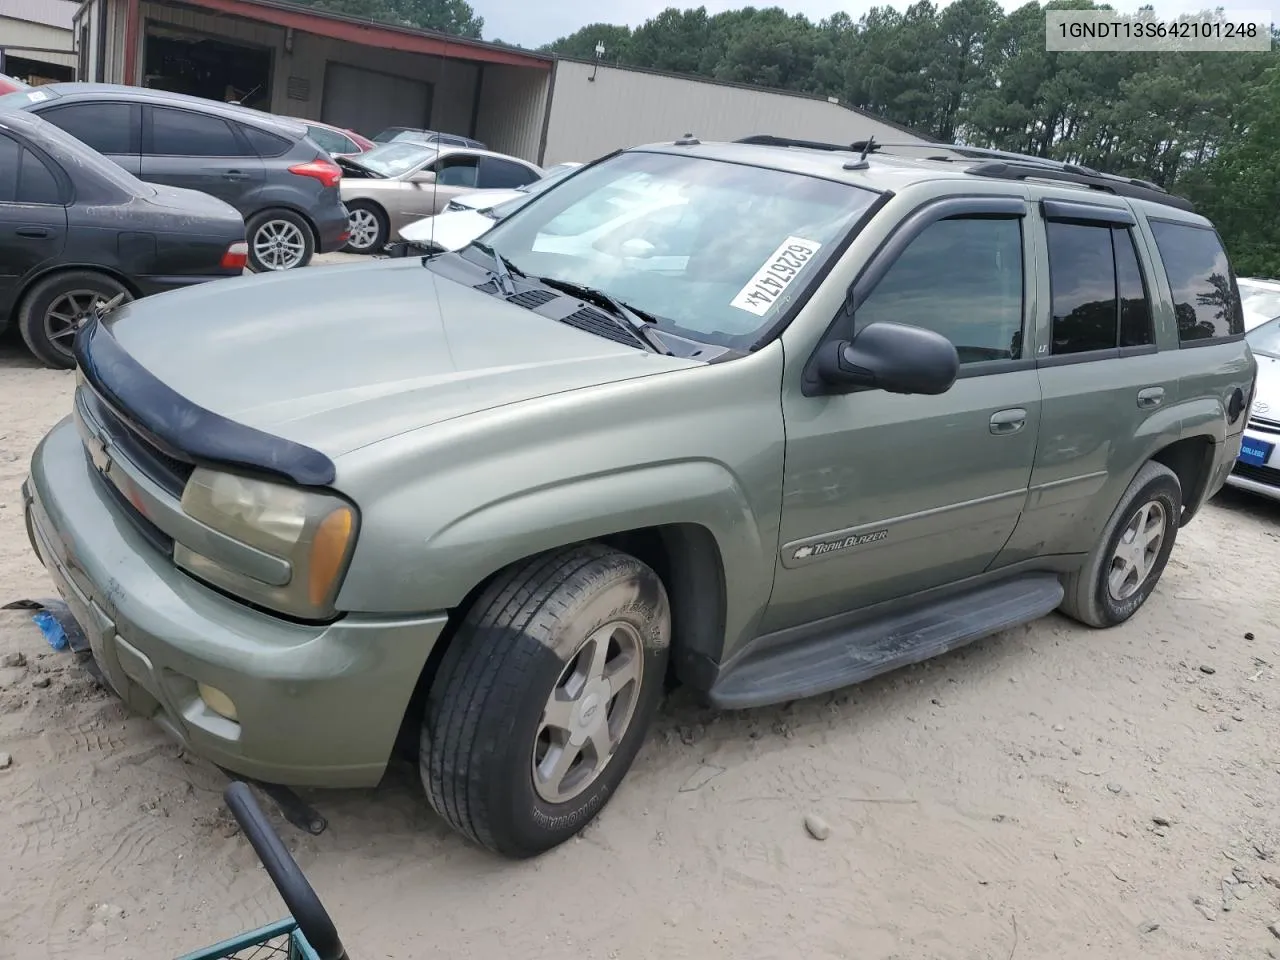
770	282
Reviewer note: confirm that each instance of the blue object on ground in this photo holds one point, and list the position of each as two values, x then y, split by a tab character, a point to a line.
52	629
59	627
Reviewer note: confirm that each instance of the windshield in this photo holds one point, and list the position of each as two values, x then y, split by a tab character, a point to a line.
1259	305
716	251
395	159
1265	339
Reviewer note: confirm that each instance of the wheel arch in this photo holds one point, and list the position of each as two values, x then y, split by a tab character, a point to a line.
687	559
291	208
43	273
1192	460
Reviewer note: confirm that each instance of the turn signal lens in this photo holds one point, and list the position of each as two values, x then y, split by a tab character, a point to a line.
328	554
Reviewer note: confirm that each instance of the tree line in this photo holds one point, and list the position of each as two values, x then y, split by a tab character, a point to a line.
1206	125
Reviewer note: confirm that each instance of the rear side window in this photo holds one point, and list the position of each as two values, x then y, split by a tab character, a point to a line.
961	278
264	144
1100	298
1206	302
106	127
36	182
181	133
503	174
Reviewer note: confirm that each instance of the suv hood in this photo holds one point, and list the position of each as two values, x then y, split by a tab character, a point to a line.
336	358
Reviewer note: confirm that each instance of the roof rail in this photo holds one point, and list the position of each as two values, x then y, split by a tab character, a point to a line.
1002	165
1119	186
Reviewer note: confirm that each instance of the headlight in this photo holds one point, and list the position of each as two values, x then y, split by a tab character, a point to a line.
314	531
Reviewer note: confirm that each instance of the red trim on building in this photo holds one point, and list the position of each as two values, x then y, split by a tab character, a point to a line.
350	30
132	33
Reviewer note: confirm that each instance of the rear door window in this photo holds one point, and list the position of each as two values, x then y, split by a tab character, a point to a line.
10	155
36	182
459	170
504	174
106	127
1099	295
1206	302
183	133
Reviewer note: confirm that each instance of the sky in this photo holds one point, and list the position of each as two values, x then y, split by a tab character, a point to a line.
531	25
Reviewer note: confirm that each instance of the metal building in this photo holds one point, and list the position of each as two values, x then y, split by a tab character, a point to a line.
298	61
37	44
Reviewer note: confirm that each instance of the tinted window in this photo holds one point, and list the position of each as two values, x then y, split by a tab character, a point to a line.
10	153
180	133
960	278
1136	328
504	174
457	172
264	144
1082	278
1205	301
36	182
106	127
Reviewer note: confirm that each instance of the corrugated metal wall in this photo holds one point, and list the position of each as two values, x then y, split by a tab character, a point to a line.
19	35
52	13
623	108
513	103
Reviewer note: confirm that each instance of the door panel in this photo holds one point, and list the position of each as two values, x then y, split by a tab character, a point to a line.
885	495
30	233
197	151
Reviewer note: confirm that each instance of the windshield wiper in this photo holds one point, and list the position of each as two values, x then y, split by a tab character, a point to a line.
636	322
502	269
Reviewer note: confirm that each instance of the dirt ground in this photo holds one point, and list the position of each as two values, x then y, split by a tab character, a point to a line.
1053	792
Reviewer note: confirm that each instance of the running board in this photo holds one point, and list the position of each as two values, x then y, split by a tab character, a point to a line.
845	655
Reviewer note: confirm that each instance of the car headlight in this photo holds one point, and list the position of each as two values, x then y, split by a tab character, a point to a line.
315	532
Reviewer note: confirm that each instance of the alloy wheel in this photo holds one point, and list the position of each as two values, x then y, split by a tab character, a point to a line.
279	245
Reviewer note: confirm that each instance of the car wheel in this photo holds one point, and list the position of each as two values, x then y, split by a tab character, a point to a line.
1131	554
279	240
53	310
543	697
368	226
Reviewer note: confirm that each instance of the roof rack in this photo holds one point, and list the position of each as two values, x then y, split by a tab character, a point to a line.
1002	165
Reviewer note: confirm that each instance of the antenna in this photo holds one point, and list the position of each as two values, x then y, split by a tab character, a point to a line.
435	184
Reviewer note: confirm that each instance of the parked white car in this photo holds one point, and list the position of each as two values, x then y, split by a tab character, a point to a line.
1260	300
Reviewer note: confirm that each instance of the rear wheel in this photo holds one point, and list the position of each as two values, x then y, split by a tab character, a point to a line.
279	240
53	310
1132	552
543	698
368	226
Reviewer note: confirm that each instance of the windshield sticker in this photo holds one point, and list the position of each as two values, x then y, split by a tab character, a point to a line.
771	281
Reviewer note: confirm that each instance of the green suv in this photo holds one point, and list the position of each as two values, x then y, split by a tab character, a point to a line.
766	417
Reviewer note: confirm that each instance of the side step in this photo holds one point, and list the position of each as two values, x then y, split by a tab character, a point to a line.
845	655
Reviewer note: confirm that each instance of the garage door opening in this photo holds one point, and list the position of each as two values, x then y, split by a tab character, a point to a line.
206	67
34	72
368	101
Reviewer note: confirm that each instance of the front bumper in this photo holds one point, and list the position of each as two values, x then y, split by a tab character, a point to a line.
316	705
1264	479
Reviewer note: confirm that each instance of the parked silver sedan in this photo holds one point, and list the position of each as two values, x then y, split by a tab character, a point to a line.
399	182
1258	467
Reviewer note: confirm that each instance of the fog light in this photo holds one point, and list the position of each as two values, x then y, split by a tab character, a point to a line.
217	701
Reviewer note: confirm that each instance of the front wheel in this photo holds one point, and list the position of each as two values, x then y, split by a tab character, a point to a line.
1125	566
543	698
279	240
368	228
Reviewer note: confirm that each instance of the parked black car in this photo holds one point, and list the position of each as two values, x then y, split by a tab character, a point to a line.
265	166
76	230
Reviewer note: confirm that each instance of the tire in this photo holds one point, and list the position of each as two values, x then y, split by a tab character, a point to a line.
529	637
369	228
295	247
52	309
1088	593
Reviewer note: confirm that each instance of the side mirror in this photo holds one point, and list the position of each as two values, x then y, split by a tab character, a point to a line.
892	357
423	176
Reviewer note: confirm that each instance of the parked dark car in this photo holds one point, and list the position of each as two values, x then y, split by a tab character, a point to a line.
265	166
76	230
430	137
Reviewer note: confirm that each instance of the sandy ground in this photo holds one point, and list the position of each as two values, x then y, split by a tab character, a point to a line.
999	803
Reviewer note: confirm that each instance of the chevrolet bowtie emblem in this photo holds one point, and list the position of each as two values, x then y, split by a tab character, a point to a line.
98	453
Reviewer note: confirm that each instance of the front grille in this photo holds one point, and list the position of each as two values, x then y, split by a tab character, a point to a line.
167	470
1264	424
150	532
1267	475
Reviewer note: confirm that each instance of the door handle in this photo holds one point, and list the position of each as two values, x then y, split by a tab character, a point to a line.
1150	397
1008	421
34	233
235	175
